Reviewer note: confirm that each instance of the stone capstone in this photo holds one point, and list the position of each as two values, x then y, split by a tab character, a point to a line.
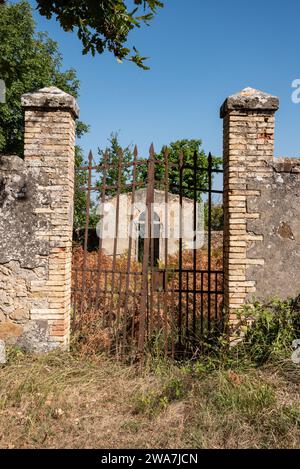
51	98
249	99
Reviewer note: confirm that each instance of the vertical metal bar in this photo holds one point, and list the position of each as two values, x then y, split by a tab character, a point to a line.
116	234
165	293
180	249
119	296
103	302
151	310
134	305
100	255
221	307
87	222
90	290
173	330
118	314
128	267
187	332
201	304
159	319
216	297
144	293
209	240
75	293
195	238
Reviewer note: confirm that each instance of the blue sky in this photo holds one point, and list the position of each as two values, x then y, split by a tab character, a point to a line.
201	51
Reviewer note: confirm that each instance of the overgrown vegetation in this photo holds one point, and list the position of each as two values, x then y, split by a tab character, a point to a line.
106	318
274	326
244	397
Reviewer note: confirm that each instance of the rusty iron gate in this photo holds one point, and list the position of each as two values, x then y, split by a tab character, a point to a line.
148	263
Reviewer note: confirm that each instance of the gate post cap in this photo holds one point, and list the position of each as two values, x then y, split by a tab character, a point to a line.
51	97
249	99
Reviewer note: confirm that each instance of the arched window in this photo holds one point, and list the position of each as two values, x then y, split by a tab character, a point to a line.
155	235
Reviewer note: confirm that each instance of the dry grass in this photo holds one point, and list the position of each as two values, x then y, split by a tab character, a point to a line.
64	401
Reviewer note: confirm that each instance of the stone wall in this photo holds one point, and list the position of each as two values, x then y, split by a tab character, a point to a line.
261	205
36	211
23	257
279	226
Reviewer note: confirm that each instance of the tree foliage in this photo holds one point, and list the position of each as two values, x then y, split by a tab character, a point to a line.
28	61
103	25
193	156
111	157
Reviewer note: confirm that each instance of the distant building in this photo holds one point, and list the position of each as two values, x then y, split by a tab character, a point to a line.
165	224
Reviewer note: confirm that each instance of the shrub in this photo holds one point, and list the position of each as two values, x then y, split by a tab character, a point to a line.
273	328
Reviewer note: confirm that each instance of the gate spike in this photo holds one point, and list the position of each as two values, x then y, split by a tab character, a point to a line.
166	151
135	151
90	157
151	151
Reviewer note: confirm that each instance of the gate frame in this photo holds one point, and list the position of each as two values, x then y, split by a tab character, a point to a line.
187	320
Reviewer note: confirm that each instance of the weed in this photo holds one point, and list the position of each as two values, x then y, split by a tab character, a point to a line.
131	426
241	395
273	328
153	401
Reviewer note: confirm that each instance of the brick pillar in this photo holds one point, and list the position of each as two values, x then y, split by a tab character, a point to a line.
248	119
49	153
